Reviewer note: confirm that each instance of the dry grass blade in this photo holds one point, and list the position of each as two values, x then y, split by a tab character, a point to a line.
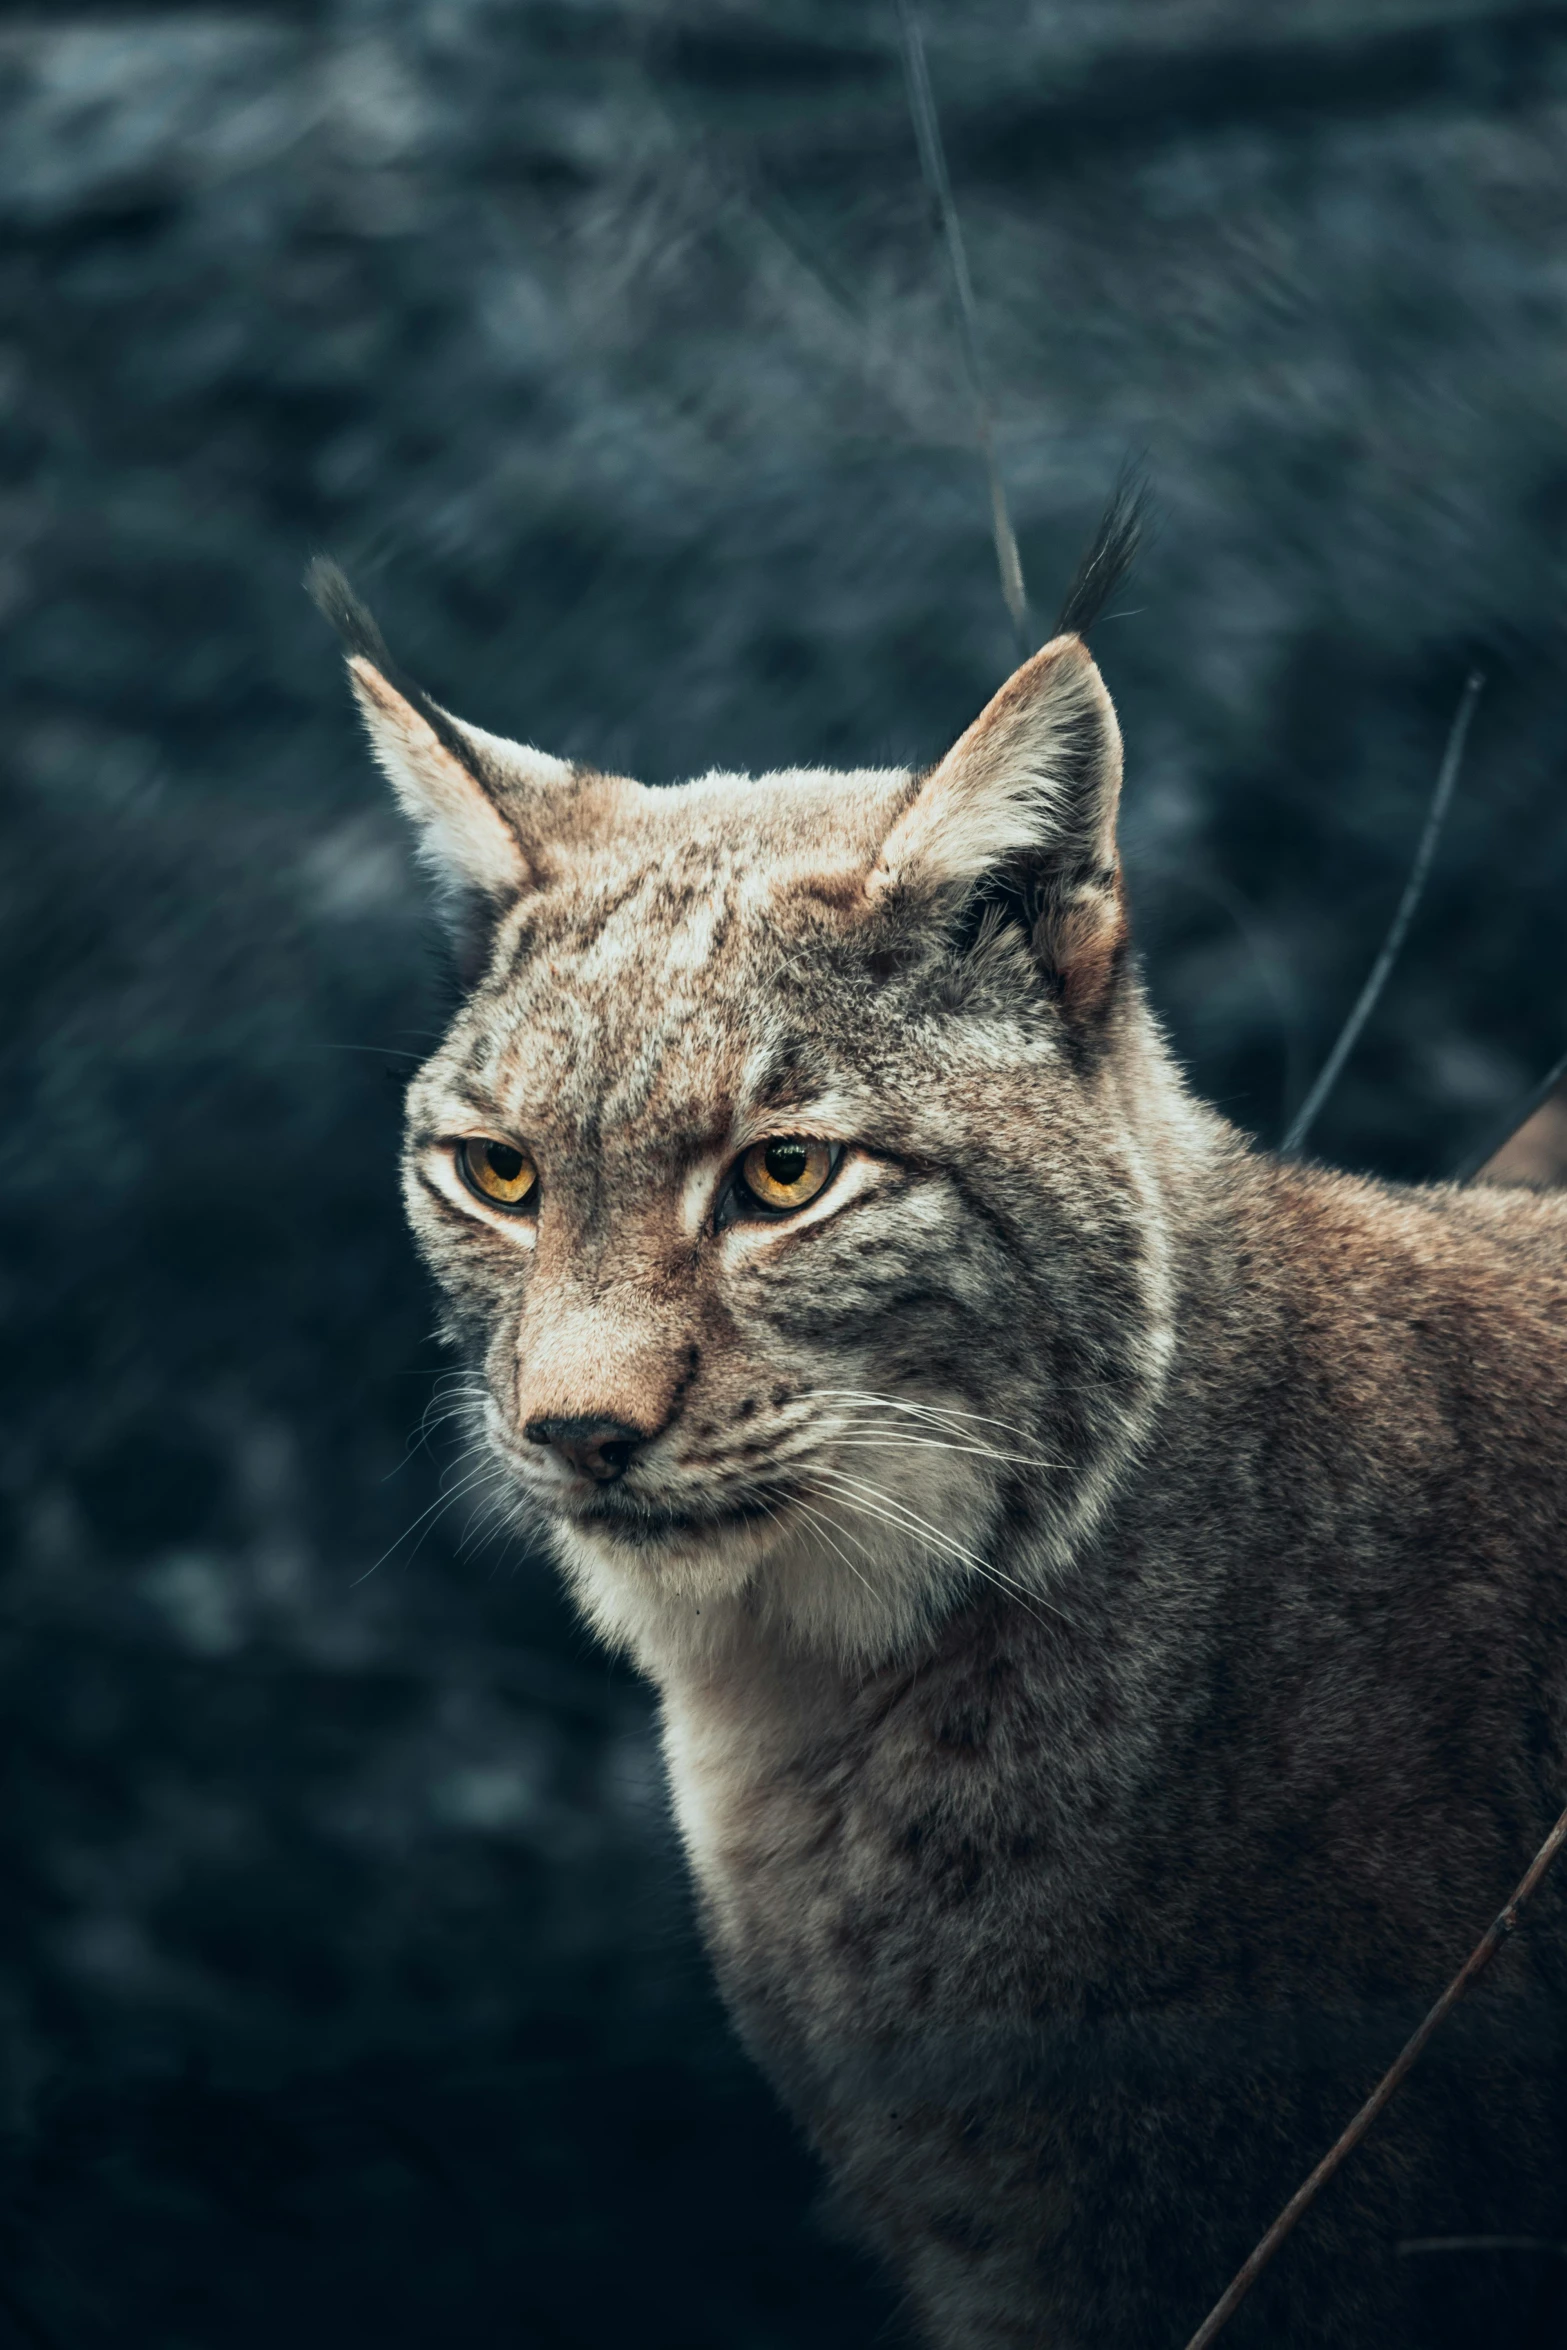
933	163
1421	2244
1366	1002
1403	2064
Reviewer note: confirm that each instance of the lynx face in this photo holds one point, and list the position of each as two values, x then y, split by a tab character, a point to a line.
778	1173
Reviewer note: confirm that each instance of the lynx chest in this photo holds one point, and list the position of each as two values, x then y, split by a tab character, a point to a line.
874	1860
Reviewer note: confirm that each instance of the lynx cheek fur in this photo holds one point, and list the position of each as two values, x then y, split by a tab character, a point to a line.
1105	1587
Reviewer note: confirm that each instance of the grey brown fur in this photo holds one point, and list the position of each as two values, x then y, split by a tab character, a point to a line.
1104	1587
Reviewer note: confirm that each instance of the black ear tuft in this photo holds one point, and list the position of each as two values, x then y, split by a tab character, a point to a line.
1122	529
357	626
335	600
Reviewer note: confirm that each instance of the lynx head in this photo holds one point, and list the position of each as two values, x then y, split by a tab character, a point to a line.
787	1170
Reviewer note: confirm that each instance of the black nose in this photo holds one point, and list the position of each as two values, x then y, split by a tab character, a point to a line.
600	1449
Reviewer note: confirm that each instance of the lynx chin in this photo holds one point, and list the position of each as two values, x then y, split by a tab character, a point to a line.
1106	1589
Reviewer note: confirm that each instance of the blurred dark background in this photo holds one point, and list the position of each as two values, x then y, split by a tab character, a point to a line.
348	1991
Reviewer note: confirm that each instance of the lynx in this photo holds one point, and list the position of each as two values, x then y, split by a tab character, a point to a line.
1104	1586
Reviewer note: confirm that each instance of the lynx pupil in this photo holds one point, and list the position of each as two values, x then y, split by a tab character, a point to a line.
503	1161
786	1163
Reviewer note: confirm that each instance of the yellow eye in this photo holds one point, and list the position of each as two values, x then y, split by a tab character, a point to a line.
497	1171
787	1173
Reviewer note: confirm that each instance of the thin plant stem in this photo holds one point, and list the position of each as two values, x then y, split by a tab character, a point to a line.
1482	2244
1366	1001
1490	1942
933	163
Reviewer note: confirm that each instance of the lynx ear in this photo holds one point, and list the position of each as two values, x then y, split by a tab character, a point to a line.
1020	816
462	788
462	833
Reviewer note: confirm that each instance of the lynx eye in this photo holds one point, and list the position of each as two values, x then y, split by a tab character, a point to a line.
786	1173
497	1171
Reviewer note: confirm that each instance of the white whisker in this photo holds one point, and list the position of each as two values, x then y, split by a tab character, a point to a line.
901	1510
983	1452
492	1509
457	1394
437	1508
874	1502
824	1526
949	1413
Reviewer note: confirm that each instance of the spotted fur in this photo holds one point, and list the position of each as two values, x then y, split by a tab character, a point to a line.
1104	1587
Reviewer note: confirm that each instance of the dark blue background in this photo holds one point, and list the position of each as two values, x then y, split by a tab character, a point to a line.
347	1986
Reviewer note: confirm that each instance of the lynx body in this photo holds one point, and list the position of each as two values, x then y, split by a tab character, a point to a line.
1105	1588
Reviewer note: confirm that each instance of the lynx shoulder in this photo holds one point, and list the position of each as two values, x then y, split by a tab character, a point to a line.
1105	1587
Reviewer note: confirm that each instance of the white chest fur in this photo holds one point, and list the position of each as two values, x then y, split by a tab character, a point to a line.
748	1743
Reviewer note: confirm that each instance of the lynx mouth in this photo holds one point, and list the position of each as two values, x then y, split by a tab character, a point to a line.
635	1521
642	1525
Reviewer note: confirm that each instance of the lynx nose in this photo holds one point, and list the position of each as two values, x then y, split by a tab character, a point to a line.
600	1449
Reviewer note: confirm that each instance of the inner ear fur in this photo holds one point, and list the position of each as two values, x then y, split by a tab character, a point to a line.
1019	821
481	807
462	832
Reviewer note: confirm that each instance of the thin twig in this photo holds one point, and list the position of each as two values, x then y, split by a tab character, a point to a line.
1306	2194
1365	1002
933	163
1517	1117
1481	2244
